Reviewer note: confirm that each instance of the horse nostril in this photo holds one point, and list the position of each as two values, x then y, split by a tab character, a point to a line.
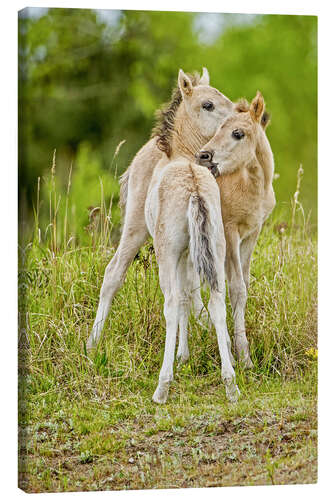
205	156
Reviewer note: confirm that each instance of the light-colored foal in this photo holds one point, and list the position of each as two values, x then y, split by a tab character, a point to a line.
183	215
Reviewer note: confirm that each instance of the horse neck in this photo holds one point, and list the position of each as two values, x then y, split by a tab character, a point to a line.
265	158
186	138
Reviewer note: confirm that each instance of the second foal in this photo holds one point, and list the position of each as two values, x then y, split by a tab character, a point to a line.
240	156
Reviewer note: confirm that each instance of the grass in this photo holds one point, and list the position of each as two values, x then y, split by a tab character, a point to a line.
89	424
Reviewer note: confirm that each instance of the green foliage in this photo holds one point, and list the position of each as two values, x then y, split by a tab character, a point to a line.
278	56
84	207
85	80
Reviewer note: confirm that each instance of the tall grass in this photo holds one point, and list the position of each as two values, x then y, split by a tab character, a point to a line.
59	288
73	408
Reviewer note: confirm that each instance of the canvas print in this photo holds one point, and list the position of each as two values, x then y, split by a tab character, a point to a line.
167	282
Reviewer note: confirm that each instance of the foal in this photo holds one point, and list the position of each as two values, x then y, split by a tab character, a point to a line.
183	215
194	114
240	156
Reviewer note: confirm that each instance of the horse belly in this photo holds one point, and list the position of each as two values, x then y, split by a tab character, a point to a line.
151	210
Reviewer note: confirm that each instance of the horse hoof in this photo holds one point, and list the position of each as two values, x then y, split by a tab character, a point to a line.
160	395
245	361
232	393
243	356
248	363
90	345
183	358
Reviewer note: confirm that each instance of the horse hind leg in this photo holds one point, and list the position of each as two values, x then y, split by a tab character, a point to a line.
238	297
168	284
217	311
200	311
184	283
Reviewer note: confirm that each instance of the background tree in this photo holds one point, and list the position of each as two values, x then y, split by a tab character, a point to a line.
97	77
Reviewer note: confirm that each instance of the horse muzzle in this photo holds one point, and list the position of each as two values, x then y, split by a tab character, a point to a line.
205	159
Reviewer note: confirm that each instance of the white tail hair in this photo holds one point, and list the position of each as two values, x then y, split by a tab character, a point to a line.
203	237
123	181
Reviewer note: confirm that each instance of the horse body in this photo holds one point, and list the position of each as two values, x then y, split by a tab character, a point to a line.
183	215
137	177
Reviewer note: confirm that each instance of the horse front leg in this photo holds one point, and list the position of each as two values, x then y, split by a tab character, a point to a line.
246	250
132	238
238	295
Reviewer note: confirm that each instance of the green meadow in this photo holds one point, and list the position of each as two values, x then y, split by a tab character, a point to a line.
88	422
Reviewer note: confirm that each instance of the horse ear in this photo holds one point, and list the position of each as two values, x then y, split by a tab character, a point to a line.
257	107
265	120
204	80
184	84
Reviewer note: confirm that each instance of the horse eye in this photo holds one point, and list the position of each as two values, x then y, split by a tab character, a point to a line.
237	134
208	106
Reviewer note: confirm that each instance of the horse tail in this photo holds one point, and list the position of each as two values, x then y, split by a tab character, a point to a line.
123	181
203	237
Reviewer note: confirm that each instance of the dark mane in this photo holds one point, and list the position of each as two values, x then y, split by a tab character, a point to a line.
165	117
